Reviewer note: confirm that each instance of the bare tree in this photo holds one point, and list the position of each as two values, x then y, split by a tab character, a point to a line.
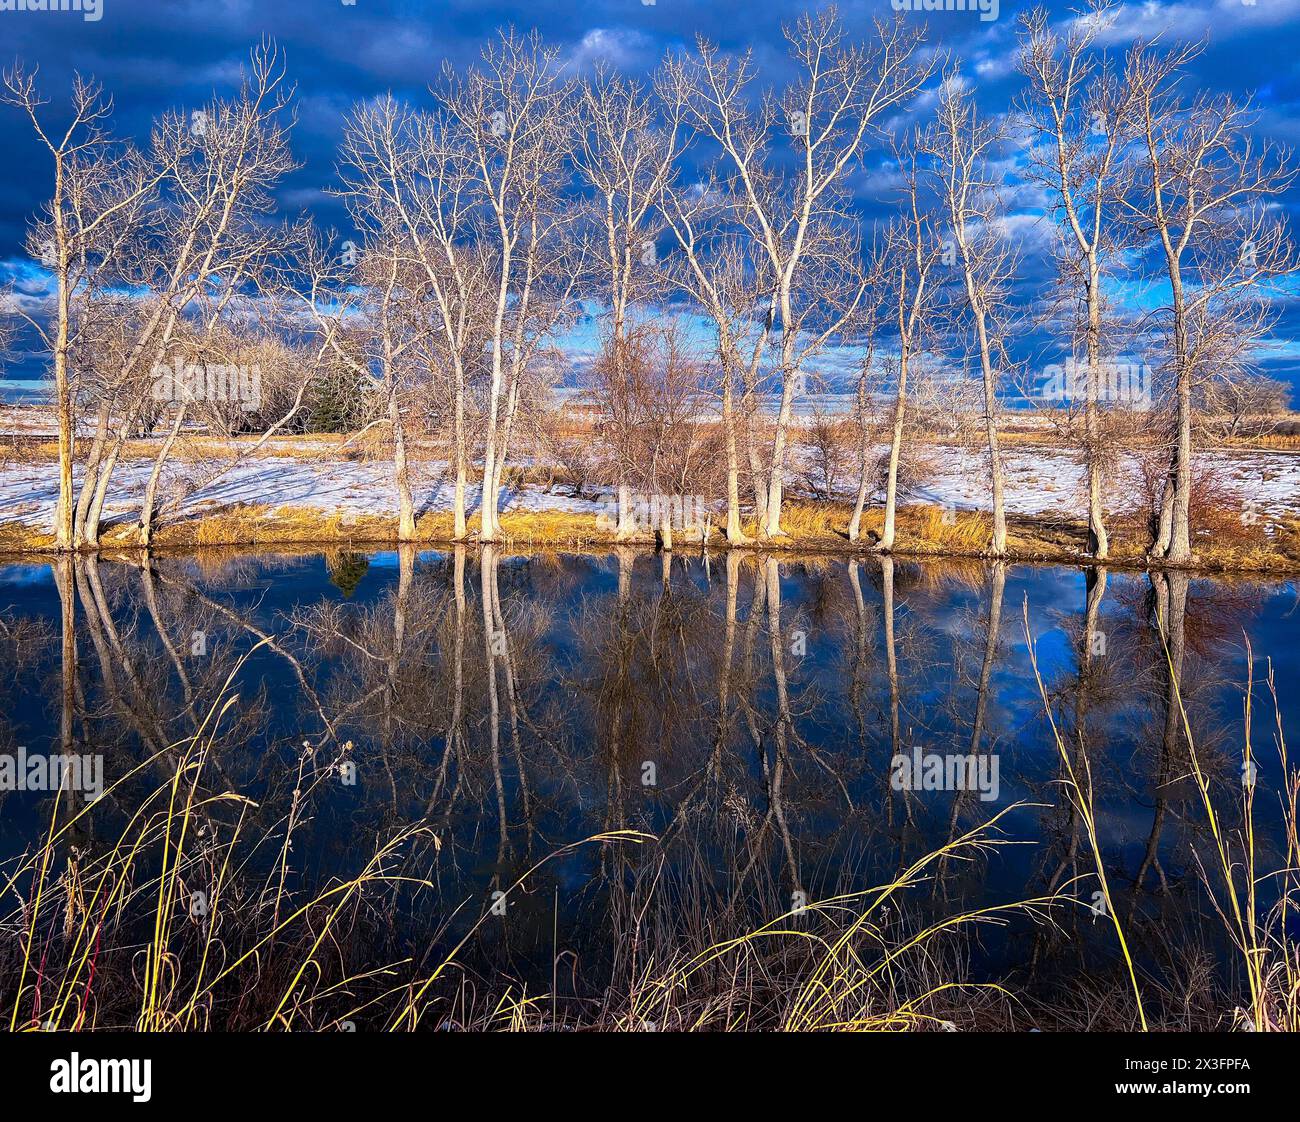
626	155
961	144
252	343
234	336
409	170
515	115
174	223
100	189
719	273
660	383
1245	397
1205	184
841	91
675	453
386	331
206	250
912	251
866	425
554	266
613	387
1080	114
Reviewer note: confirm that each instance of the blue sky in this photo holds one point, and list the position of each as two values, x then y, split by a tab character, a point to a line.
152	55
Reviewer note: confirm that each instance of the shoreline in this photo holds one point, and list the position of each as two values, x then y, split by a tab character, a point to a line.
922	536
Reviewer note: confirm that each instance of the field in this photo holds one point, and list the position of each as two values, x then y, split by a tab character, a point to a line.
329	489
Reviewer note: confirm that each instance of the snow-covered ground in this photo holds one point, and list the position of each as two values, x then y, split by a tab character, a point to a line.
310	472
28	491
1039	481
1051	481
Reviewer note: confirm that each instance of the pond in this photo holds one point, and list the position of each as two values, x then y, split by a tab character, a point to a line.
750	734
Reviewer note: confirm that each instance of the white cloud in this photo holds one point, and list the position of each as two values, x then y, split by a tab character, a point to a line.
619	48
1222	19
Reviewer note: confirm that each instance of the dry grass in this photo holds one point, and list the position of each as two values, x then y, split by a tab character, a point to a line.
1232	874
1224	544
258	524
921	529
111	938
76	950
1273	442
115	939
525	528
199	448
18	537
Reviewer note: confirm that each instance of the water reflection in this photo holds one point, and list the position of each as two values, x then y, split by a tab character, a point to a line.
745	710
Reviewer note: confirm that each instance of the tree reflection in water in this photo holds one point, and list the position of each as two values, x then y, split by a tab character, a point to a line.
743	710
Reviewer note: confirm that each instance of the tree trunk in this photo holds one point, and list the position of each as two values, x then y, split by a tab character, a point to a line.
1098	542
64	537
735	535
91	473
507	432
147	504
488	528
665	527
1180	539
401	472
95	512
855	521
625	528
63	533
757	476
775	487
459	452
1173	537
895	452
1165	515
998	546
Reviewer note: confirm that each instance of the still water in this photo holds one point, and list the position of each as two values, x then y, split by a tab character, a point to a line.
784	729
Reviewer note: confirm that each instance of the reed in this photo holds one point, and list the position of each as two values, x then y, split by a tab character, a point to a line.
112	940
